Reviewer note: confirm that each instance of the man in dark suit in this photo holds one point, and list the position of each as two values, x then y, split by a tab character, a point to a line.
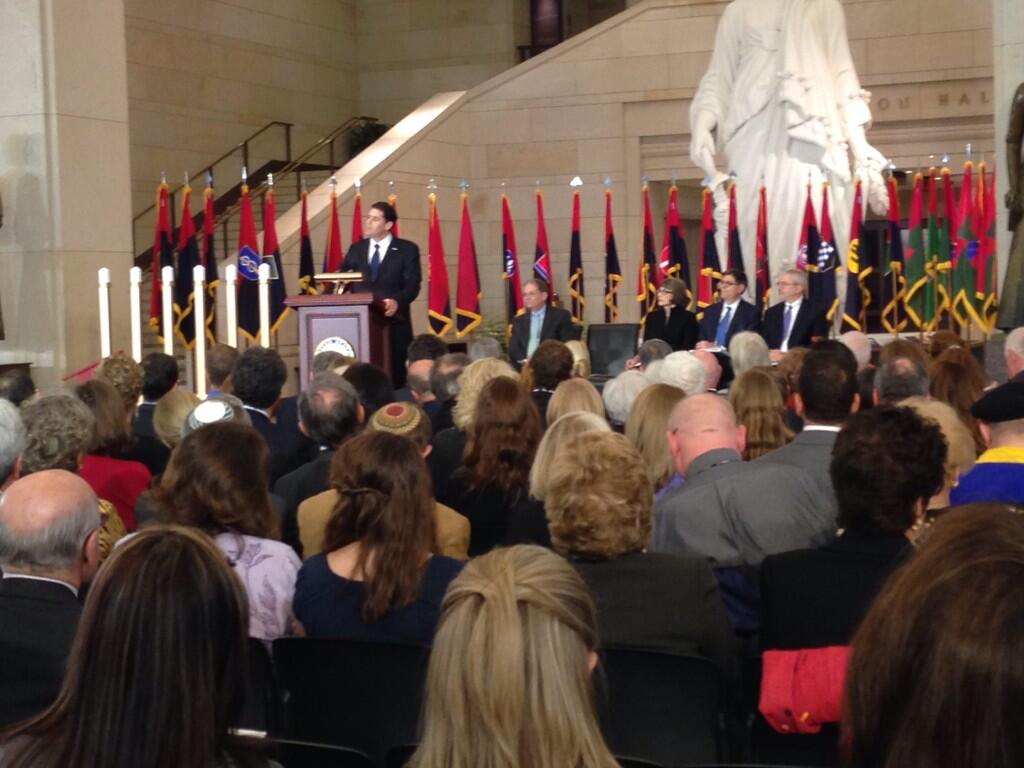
257	379
538	323
725	318
49	525
329	413
826	395
159	376
391	271
794	321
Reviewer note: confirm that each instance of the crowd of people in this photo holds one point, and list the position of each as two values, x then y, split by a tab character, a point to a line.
834	525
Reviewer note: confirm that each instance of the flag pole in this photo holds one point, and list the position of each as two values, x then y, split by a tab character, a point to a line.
167	299
892	270
231	303
104	295
134	288
199	316
264	274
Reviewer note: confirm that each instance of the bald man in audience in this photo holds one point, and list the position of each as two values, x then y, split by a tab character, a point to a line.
49	525
899	379
998	475
1013	353
860	344
732	512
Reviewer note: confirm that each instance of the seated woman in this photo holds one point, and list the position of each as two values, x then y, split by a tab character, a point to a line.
934	677
757	400
157	670
598	503
118	480
645	429
170	414
491	487
886	464
216	482
671	321
509	681
376	578
574	395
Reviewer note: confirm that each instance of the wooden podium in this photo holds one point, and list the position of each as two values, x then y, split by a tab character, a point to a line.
339	321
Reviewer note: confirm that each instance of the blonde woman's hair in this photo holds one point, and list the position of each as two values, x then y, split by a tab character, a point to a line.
170	413
559	432
580	358
471	381
756	398
647	427
960	454
509	678
599	498
574	395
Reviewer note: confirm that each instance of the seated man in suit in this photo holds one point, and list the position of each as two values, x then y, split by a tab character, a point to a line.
257	379
49	529
159	376
329	413
826	395
795	321
727	317
391	271
538	323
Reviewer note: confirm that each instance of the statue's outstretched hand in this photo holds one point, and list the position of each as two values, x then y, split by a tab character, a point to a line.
702	143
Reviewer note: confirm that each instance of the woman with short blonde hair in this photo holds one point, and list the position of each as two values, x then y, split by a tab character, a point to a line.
574	395
170	413
646	428
580	358
561	431
509	682
471	382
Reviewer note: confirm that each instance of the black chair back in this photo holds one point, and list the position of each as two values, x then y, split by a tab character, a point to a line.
362	695
661	707
304	754
261	698
610	346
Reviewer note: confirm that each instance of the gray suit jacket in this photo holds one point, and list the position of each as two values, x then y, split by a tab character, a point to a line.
811	450
736	513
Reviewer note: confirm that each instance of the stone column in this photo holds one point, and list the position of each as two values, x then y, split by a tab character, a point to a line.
1008	61
64	178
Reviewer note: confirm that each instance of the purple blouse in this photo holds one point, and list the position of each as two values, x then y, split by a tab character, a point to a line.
268	570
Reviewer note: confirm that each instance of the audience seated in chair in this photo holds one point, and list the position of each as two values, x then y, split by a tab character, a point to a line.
548	367
998	474
557	436
376	578
619	394
216	482
491	486
220	360
646	428
451	530
159	376
509	682
170	414
444	385
756	398
939	653
257	379
598	505
574	395
48	548
17	387
156	672
959	385
126	376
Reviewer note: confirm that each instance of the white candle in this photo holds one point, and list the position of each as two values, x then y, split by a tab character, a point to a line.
231	303
134	288
199	316
104	293
167	299
264	273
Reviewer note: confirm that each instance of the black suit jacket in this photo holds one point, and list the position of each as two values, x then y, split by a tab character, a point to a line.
809	324
297	486
282	452
399	278
679	331
142	421
745	318
557	325
38	620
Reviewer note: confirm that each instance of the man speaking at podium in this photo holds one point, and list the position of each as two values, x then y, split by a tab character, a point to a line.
391	271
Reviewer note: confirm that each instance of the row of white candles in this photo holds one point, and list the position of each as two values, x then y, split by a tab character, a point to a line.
198	312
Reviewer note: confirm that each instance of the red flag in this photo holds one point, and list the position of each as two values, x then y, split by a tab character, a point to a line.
307	280
510	262
184	283
357	219
576	289
333	254
248	269
710	270
674	260
647	271
985	269
734	257
393	202
467	292
209	261
542	253
163	256
439	310
762	268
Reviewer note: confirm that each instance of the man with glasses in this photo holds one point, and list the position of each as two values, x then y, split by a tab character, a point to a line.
391	271
730	315
538	323
794	321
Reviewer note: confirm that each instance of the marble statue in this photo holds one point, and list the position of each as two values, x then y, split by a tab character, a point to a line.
1011	300
782	99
